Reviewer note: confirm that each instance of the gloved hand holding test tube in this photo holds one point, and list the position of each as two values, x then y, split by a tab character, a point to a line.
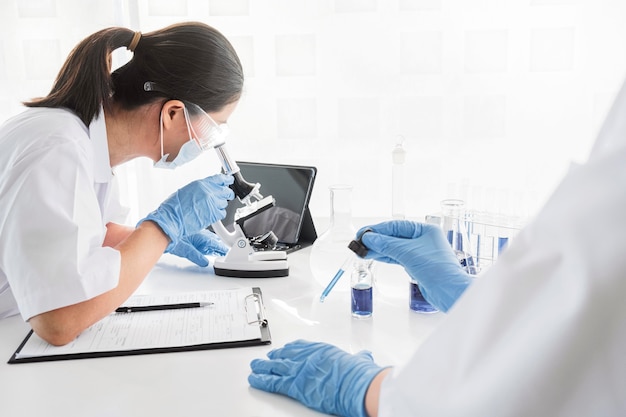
359	249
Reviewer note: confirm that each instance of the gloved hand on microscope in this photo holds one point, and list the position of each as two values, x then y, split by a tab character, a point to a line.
186	214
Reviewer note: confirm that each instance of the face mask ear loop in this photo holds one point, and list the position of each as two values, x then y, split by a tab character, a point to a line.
190	129
161	131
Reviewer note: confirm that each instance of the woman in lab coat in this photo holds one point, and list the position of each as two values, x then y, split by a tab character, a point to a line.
541	333
66	261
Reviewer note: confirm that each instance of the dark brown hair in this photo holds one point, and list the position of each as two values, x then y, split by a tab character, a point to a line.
189	61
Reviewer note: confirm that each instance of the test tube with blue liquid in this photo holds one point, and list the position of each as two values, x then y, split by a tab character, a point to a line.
455	230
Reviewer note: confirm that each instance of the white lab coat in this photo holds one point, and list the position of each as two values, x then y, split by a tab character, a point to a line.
56	196
543	332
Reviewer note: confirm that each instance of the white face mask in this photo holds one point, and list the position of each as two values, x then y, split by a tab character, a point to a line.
188	152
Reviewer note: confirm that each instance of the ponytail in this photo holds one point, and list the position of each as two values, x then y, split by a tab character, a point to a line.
84	82
190	61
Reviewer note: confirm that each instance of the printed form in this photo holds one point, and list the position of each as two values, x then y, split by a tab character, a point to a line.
232	317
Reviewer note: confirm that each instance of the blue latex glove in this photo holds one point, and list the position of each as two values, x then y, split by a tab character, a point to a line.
320	376
193	208
425	254
195	247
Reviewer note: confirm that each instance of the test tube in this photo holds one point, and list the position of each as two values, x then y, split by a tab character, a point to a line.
398	156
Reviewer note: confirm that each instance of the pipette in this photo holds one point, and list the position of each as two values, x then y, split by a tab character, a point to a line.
338	275
358	248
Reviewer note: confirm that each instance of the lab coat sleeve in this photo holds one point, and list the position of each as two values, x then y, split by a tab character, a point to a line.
52	237
112	209
543	332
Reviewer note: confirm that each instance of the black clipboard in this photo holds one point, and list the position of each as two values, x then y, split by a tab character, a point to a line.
256	318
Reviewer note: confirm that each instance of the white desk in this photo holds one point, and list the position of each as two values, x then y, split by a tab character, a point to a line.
212	382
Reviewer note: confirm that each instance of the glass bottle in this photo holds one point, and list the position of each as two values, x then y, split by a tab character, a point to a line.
417	302
330	249
362	282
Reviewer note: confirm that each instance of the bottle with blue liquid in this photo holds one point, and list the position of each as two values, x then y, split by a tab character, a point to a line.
417	302
362	286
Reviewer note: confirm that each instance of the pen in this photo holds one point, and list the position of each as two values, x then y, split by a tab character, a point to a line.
134	309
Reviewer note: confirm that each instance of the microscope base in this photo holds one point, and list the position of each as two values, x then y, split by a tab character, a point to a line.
243	261
258	269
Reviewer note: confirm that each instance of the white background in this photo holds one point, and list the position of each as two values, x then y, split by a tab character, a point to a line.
494	98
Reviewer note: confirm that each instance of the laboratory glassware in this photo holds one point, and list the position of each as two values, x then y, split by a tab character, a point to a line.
342	269
398	157
331	248
362	287
359	249
417	302
454	227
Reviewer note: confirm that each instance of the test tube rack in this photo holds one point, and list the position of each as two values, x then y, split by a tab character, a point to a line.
489	234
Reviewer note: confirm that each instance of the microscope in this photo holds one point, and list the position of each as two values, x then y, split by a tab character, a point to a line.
242	260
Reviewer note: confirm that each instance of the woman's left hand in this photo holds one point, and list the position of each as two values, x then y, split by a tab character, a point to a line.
195	247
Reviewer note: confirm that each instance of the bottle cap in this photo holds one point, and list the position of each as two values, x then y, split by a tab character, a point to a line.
357	245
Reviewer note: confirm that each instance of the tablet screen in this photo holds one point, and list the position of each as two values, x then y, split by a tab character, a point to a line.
291	187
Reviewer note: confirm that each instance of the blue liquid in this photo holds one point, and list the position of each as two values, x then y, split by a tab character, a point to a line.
465	259
418	302
459	239
331	284
467	262
362	302
502	242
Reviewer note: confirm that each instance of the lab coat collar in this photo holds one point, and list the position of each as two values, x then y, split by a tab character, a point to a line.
98	134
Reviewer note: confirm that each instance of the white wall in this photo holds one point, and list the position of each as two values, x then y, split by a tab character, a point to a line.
494	98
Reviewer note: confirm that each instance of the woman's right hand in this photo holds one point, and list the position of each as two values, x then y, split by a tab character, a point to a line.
193	208
425	254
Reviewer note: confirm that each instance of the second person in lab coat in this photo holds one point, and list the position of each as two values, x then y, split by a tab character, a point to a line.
541	333
66	261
